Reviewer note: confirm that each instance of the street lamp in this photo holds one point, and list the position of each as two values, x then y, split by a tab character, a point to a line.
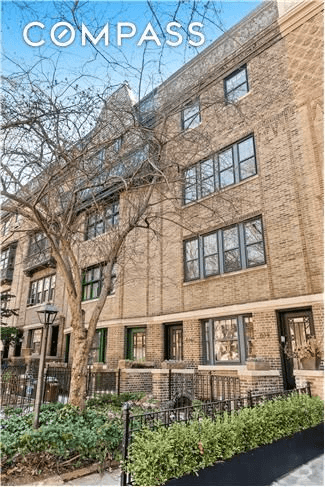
47	315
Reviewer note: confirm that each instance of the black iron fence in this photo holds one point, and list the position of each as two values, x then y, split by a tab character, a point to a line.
167	417
185	387
18	385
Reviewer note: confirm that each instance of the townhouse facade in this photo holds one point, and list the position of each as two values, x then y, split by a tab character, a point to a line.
239	279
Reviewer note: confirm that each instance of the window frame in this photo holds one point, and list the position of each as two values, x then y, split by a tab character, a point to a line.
187	106
243	258
215	157
92	268
130	332
209	351
100	350
101	216
8	262
169	329
34	245
231	75
35	290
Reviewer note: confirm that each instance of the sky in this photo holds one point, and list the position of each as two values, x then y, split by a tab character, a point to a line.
144	67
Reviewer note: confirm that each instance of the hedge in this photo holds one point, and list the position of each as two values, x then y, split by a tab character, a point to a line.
183	448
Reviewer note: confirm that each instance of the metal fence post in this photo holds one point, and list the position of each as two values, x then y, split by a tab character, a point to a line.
118	388
125	445
308	386
249	399
170	384
211	386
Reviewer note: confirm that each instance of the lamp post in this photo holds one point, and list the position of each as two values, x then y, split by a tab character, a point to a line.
47	315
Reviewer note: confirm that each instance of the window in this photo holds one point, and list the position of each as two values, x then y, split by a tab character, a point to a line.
36	340
227	167
54	341
38	243
92	282
8	259
236	84
227	339
18	344
191	115
100	222
174	342
226	250
67	348
136	343
42	290
5	227
98	350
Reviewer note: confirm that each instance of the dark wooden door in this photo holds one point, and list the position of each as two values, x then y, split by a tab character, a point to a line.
295	327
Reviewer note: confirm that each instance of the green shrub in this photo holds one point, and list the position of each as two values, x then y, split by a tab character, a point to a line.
114	399
156	456
64	430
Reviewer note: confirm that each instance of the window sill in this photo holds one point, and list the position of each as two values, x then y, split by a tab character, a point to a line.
220	191
96	299
234	103
39	304
226	274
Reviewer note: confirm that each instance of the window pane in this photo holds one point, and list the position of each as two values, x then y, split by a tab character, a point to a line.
232	260
190	194
191	111
211	265
238	93
236	80
207	187
225	159
96	271
253	231
247	168
230	238
192	249
249	335
99	227
190	176
226	340
226	178
207	169
210	244
246	149
96	289
255	254
192	269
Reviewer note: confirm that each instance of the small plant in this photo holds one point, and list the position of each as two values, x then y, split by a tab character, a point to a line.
310	349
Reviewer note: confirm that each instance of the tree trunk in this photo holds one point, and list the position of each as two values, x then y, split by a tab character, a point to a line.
77	395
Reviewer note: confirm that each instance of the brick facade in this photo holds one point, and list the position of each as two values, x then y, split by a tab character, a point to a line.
283	111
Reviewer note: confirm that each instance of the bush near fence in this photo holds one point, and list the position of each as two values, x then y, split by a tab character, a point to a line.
156	456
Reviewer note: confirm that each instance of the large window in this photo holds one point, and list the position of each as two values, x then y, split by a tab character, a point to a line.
100	222
174	342
191	115
92	282
38	243
228	339
97	352
42	290
227	250
227	167
8	259
136	344
236	84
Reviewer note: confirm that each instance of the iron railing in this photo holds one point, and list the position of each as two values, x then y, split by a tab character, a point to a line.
134	423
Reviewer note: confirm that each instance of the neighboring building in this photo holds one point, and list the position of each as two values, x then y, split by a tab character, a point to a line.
245	277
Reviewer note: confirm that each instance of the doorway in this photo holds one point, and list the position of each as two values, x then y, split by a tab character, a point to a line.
295	326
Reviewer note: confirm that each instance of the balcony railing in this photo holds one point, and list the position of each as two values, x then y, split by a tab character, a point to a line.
39	260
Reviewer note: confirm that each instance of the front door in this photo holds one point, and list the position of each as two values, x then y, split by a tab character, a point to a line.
295	327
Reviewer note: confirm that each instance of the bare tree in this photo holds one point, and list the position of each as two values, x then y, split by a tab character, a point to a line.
67	150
